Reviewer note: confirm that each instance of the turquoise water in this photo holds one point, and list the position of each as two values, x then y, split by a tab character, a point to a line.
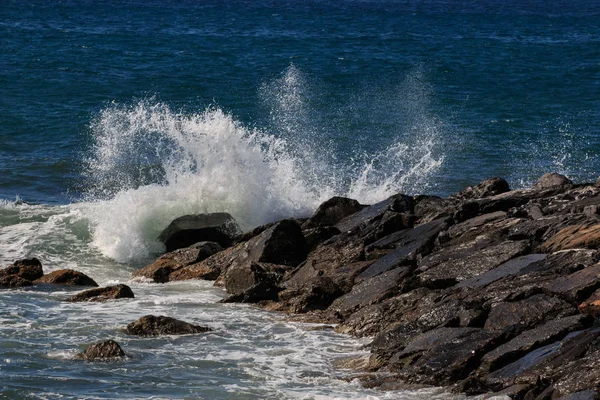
116	117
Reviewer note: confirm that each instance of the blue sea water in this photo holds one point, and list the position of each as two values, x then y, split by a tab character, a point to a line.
118	116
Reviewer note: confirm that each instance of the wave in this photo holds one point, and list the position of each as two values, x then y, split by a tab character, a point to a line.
150	164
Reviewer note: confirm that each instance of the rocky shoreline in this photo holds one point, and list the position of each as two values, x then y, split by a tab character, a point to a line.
488	291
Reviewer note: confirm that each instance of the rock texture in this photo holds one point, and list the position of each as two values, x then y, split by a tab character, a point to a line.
21	273
67	277
105	350
189	229
151	325
103	294
488	291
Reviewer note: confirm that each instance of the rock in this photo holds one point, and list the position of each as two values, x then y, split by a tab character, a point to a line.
488	187
442	356
242	276
316	236
577	286
398	203
168	263
582	375
103	294
151	325
591	306
371	291
107	349
527	313
29	269
408	244
189	229
208	269
316	294
531	340
591	394
551	180
332	211
260	291
13	281
469	264
577	236
511	267
67	277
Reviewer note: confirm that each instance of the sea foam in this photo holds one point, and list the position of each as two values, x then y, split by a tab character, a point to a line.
150	164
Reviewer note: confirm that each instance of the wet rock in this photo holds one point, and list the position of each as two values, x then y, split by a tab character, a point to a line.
151	325
67	277
398	203
551	180
242	276
531	340
13	281
103	294
317	294
577	286
207	269
486	188
332	211
168	263
443	355
511	267
107	349
563	262
260	291
189	229
469	264
370	291
473	226
527	313
316	236
577	236
592	394
429	208
408	245
28	269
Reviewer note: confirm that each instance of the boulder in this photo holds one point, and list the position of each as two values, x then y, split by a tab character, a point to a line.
107	349
208	269
151	325
316	236
332	211
189	229
67	277
488	187
398	203
551	180
103	294
13	281
168	263
577	286
242	276
316	294
29	269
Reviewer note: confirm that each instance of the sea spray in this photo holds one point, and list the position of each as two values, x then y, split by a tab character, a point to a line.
150	164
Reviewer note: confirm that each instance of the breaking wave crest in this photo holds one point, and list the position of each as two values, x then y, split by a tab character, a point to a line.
150	164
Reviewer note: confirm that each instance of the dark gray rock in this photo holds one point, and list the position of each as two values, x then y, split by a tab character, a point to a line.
486	188
398	203
531	340
577	286
103	294
151	325
332	211
243	276
316	236
511	267
370	291
189	229
105	350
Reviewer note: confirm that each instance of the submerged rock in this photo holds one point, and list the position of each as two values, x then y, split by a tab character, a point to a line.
103	294
151	325
67	277
105	350
189	229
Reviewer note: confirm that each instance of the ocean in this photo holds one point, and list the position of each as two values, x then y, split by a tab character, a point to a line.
118	116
